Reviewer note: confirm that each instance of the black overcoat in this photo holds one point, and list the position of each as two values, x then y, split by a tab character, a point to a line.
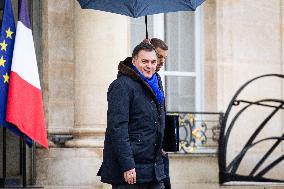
135	128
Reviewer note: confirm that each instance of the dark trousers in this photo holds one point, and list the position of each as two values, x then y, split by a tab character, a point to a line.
167	181
139	186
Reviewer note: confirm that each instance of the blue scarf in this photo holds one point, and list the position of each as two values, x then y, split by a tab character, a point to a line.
154	84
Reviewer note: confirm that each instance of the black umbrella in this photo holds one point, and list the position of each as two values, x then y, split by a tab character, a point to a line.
137	8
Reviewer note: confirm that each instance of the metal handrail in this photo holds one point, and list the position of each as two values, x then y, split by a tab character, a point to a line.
194	129
229	171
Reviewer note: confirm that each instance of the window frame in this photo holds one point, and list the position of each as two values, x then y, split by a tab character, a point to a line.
159	32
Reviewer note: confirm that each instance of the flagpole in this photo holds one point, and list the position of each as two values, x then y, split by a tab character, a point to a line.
2	183
4	154
23	161
22	141
24	164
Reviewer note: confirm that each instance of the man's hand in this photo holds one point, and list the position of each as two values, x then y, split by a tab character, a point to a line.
130	176
163	152
147	40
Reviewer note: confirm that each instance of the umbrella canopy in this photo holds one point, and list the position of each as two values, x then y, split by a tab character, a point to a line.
137	8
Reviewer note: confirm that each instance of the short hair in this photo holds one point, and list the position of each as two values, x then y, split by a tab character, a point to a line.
143	46
158	43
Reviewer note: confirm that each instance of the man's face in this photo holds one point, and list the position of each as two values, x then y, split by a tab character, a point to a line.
162	56
146	63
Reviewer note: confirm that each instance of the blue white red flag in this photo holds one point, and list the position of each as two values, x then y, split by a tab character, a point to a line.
24	103
7	39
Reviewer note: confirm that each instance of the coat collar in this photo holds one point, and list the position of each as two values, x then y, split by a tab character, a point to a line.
125	68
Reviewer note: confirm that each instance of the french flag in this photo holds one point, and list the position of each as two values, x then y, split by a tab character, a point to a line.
24	103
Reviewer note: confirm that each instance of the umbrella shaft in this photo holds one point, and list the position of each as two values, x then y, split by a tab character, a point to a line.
146	27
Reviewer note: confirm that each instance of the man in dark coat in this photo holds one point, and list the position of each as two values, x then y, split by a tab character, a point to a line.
132	155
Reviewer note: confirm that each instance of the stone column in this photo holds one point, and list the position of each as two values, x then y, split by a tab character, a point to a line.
101	41
210	56
81	51
58	65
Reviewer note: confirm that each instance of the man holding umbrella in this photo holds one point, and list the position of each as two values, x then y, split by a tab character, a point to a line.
132	155
161	49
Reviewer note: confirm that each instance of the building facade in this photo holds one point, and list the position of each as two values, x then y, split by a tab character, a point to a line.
227	43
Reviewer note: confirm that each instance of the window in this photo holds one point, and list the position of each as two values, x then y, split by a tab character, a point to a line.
182	73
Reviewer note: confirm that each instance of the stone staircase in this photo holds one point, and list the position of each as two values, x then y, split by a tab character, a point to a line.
188	172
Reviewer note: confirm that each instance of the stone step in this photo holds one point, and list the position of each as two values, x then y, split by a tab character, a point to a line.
32	187
14	182
217	186
253	185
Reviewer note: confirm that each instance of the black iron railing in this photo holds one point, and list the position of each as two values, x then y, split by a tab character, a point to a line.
17	161
251	123
198	131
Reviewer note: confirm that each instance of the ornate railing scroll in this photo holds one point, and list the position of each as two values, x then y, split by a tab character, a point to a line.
198	131
256	125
